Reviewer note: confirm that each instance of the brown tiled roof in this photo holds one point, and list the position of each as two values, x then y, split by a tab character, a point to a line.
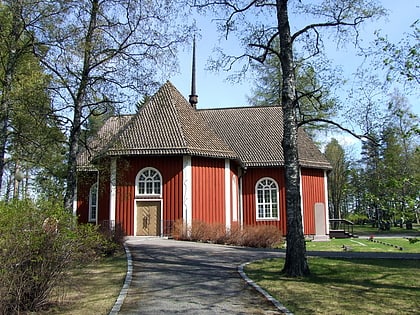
169	125
255	134
98	143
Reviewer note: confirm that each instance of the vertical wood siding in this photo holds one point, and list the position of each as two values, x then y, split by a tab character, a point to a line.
127	168
250	179
208	190
84	181
104	190
313	191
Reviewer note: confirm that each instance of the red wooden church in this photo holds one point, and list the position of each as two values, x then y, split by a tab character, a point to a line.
171	161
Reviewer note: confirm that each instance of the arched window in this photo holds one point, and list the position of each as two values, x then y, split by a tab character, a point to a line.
267	193
149	182
93	203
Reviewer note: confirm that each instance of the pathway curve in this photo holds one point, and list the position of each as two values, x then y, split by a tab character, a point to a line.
171	277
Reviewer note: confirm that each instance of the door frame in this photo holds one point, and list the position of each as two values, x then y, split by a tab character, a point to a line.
160	200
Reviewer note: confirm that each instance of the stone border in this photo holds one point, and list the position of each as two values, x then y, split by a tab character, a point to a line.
276	303
124	290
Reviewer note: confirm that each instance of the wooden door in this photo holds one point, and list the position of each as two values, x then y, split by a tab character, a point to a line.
148	218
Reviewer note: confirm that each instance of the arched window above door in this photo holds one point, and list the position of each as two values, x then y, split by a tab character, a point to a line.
149	182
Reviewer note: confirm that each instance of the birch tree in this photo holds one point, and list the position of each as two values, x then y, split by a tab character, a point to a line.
259	24
102	54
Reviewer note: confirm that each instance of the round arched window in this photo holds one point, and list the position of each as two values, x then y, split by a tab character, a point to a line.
149	182
267	193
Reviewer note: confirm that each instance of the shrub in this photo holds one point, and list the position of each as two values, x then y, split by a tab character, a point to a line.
40	243
262	236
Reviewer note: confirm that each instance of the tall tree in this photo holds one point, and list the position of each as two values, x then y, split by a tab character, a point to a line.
98	52
30	134
337	178
402	60
259	24
316	102
13	43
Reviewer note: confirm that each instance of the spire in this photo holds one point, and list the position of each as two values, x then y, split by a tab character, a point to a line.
193	97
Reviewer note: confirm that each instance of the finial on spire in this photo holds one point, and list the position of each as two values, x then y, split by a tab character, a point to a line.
193	97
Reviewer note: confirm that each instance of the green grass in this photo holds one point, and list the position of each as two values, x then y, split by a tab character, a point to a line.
367	230
92	289
365	245
340	286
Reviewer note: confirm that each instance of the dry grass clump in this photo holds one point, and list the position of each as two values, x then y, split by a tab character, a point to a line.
260	236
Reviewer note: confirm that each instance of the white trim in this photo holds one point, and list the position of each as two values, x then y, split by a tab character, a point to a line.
136	184
135	213
113	190
241	201
91	201
301	200
326	208
228	195
235	200
187	190
256	200
75	201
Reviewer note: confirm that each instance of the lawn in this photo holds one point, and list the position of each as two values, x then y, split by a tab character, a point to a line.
367	230
366	245
344	286
92	289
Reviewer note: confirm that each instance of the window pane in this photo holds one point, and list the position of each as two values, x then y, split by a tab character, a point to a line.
274	211
274	196
157	187
141	188
149	187
260	196
260	211
266	196
267	211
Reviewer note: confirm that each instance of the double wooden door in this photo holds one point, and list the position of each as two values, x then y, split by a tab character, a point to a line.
148	218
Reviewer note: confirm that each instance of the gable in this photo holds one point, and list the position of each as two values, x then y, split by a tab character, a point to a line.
169	125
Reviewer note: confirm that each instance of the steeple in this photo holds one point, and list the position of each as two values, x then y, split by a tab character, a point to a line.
193	99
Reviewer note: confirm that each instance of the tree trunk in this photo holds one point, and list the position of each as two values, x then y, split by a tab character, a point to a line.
78	107
8	73
296	264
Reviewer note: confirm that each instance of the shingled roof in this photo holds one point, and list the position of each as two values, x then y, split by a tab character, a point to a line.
168	125
97	144
255	134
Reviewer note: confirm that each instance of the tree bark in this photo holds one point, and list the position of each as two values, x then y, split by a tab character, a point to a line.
6	83
75	131
296	264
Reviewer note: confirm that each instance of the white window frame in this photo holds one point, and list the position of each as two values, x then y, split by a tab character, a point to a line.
153	183
267	205
93	203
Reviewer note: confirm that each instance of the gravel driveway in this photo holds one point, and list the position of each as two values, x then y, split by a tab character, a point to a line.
171	277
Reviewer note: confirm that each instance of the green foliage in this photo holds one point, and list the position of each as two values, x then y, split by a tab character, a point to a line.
39	244
337	178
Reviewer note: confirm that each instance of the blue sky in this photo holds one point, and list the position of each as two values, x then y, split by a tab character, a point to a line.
215	92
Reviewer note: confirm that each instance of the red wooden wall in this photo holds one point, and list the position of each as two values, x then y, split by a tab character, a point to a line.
250	179
208	190
127	168
84	181
313	191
